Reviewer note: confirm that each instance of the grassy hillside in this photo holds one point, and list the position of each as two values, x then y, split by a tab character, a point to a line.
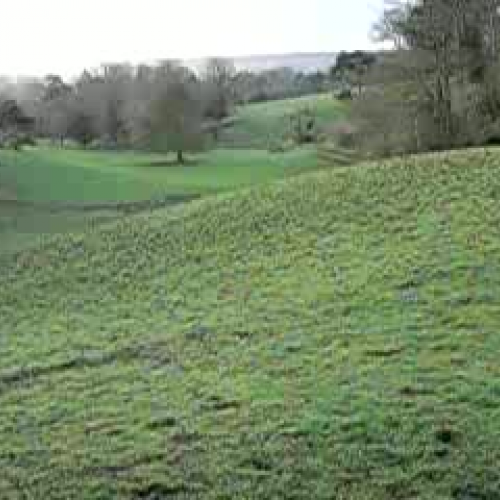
263	124
331	336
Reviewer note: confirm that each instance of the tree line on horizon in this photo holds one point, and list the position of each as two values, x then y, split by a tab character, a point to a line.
164	107
436	87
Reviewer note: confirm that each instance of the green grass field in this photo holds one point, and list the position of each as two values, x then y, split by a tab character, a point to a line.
71	177
262	125
77	176
23	227
330	336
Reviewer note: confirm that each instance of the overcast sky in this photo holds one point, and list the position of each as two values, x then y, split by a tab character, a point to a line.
64	36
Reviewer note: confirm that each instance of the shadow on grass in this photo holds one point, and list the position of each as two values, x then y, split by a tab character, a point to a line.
120	206
170	163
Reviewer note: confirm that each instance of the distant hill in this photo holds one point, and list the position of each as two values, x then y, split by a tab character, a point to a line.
303	62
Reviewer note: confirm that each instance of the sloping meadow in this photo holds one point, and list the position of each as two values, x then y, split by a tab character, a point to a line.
330	336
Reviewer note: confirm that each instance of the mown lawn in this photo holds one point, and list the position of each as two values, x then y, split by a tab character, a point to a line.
72	175
332	336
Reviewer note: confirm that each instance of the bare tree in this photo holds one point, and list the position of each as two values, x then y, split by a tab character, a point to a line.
16	128
218	77
105	93
174	121
439	74
54	108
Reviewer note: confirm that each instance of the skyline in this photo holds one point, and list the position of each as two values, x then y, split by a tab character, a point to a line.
57	38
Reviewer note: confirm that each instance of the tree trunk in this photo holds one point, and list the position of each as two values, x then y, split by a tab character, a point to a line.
444	109
216	131
180	157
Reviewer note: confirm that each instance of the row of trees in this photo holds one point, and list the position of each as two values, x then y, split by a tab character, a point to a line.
440	85
163	107
279	83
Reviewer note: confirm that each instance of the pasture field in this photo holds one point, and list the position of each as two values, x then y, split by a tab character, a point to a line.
331	336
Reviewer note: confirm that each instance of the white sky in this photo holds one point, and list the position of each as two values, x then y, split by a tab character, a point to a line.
65	36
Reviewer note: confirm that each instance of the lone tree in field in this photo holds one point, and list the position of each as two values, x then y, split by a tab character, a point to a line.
175	121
